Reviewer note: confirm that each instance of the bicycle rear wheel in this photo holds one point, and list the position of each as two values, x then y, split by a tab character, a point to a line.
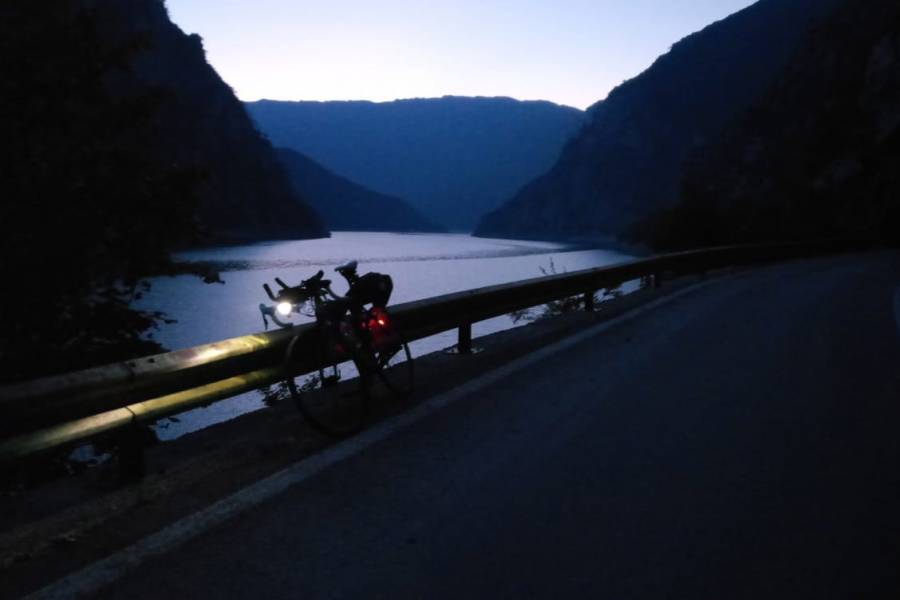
331	405
394	367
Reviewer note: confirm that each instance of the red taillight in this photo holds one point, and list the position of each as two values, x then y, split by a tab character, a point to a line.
377	319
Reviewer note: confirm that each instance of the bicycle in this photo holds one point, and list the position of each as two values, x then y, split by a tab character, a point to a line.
355	327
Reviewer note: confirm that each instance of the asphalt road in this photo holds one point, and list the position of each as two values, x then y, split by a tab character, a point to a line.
739	442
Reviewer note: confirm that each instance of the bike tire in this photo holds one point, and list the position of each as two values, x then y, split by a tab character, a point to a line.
394	367
335	407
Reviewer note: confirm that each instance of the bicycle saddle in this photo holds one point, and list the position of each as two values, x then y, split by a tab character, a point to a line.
350	267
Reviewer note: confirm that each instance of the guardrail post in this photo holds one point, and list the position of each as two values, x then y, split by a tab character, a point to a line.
132	460
589	301
464	345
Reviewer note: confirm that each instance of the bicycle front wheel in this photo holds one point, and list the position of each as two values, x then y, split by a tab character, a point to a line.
330	404
394	367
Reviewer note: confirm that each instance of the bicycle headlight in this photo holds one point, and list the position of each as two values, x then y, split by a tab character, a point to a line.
284	308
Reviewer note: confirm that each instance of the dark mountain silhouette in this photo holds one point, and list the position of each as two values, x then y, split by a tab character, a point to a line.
348	206
117	139
816	157
201	123
451	158
626	161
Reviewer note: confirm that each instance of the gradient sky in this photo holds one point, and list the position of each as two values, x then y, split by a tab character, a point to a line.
567	51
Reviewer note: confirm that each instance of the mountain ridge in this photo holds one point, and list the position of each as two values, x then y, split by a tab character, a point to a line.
625	162
817	156
246	194
452	158
346	205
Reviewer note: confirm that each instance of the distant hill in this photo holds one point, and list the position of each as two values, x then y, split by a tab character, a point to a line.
817	157
347	206
626	161
202	124
451	158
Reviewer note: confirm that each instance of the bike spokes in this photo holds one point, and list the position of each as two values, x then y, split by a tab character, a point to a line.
331	404
394	368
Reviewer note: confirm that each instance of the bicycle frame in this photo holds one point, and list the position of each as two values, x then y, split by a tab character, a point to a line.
350	322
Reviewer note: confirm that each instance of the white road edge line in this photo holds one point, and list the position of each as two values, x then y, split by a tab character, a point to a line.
106	571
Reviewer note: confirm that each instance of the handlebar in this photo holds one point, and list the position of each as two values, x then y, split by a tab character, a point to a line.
269	311
315	278
315	288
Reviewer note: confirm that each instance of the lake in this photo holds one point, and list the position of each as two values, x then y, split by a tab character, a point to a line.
421	265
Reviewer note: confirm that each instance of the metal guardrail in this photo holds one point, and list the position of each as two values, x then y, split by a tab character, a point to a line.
65	409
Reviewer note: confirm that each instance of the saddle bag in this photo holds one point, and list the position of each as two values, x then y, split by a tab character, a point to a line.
372	288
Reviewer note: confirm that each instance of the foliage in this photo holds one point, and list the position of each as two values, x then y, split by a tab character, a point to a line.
280	392
563	305
275	393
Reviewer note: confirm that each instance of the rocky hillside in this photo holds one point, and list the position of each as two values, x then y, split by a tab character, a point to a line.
816	157
348	206
119	144
200	123
451	158
626	161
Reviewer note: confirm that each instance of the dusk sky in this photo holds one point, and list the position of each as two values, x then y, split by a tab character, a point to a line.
567	51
